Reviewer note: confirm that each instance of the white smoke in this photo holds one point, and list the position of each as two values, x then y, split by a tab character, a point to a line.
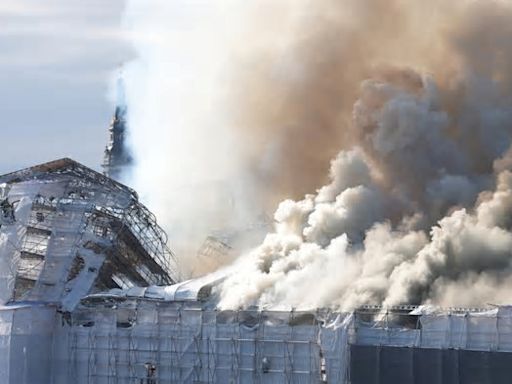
188	167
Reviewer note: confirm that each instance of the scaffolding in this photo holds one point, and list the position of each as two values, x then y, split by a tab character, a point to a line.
151	341
120	339
71	233
84	233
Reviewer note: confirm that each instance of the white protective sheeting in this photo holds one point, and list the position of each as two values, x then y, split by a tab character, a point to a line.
10	243
122	339
189	290
187	343
429	327
480	331
26	342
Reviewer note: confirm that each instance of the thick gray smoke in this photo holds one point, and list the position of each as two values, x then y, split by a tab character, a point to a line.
255	98
403	220
419	204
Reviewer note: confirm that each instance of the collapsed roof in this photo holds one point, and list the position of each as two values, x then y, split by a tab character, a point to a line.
67	231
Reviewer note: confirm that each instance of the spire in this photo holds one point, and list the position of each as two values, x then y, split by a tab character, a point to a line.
117	157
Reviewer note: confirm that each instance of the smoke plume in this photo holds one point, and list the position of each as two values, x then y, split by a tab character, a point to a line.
235	106
188	166
418	206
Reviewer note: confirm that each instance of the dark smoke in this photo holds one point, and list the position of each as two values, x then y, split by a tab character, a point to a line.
419	198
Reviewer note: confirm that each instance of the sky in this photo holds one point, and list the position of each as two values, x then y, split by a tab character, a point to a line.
57	61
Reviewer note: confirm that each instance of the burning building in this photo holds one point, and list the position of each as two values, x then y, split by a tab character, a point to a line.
416	210
91	294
